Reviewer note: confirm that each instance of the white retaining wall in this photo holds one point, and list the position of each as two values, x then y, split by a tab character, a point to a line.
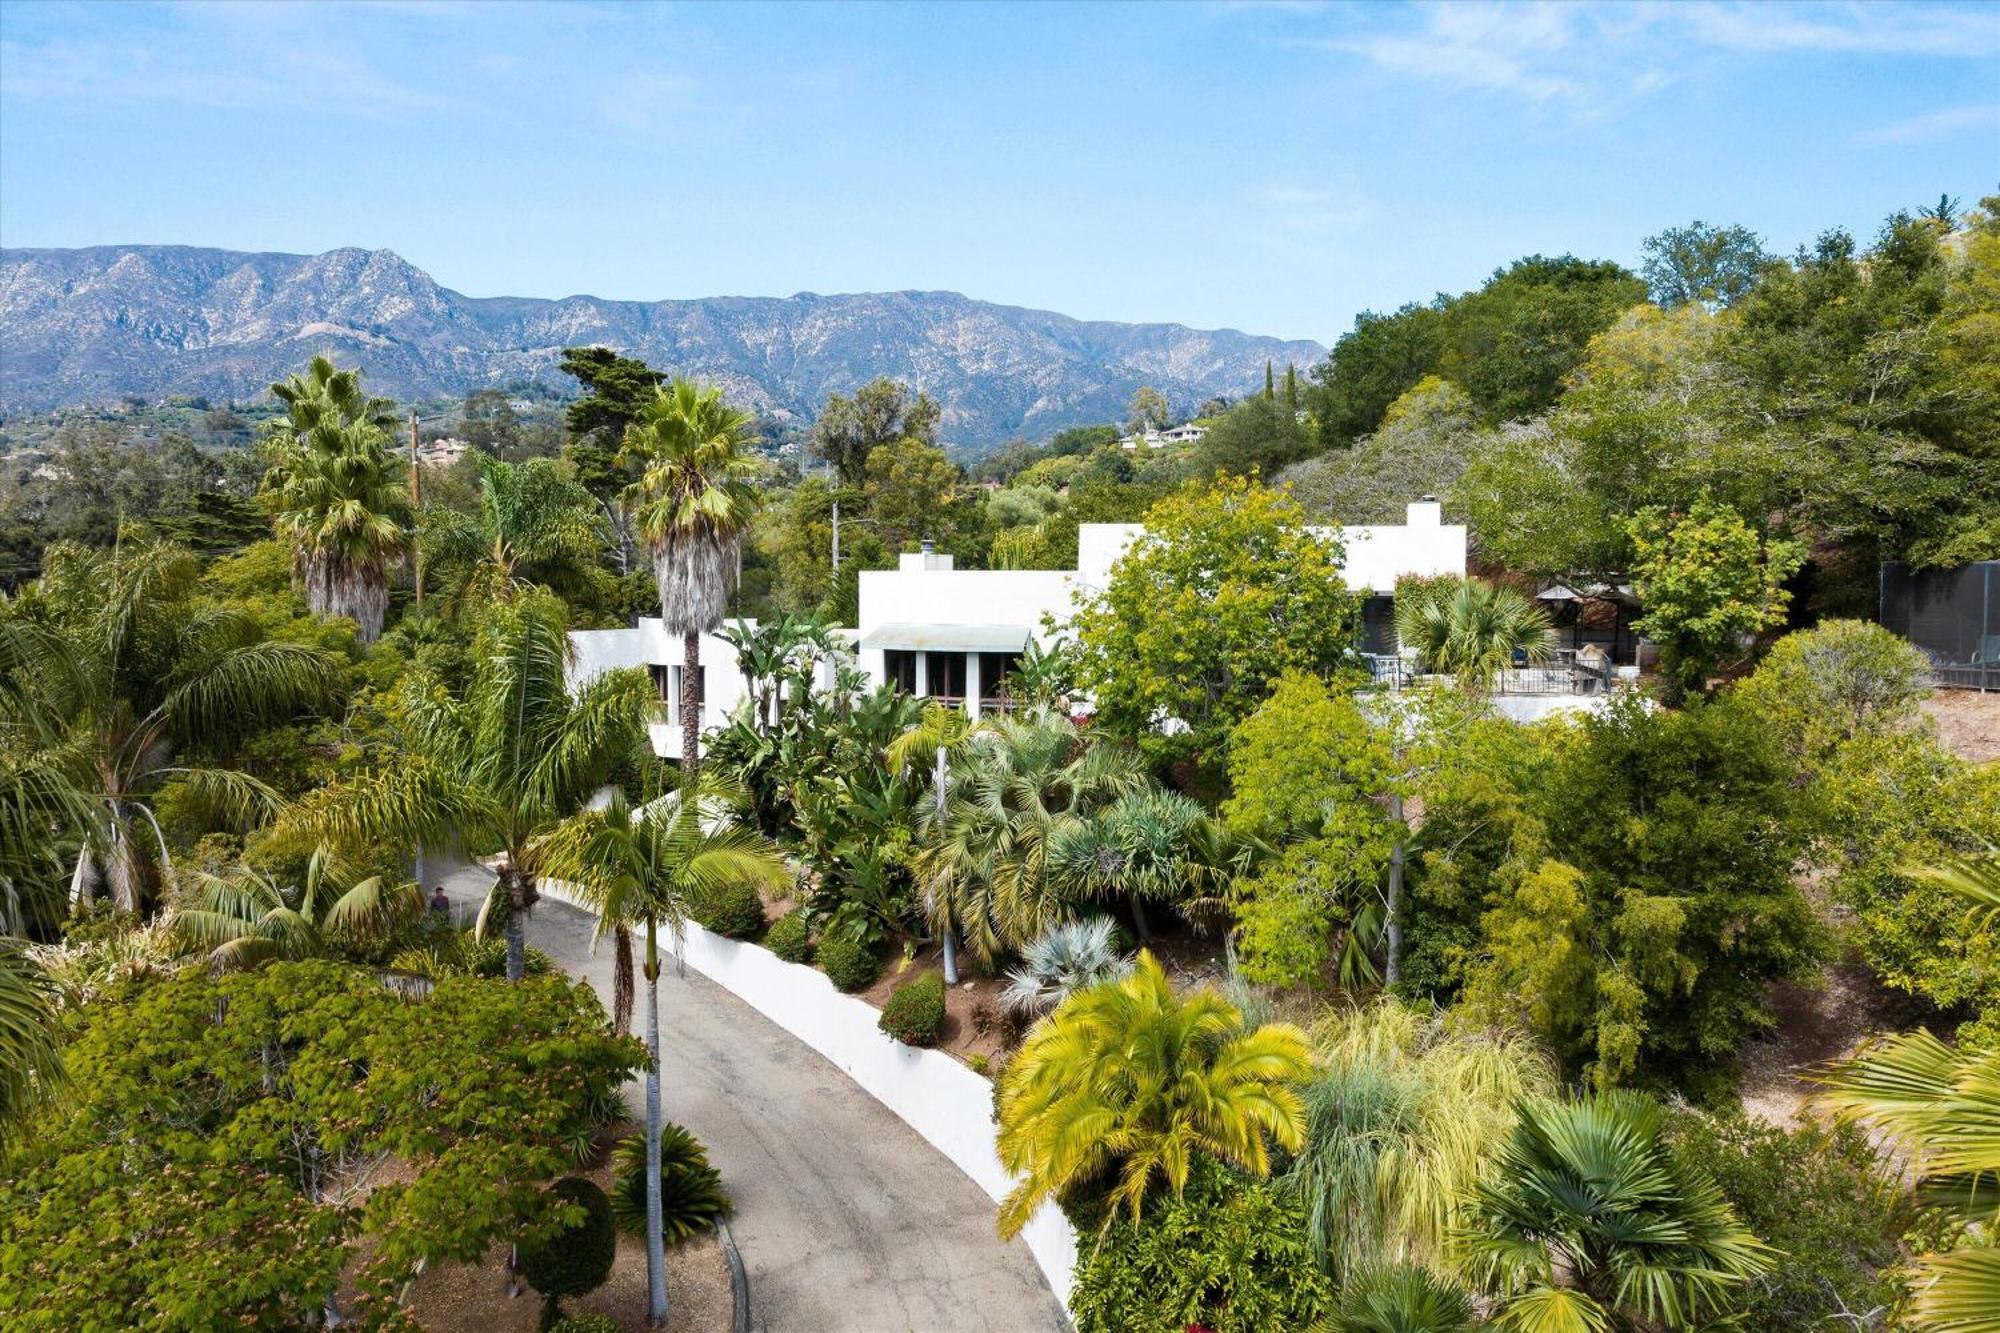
932	1092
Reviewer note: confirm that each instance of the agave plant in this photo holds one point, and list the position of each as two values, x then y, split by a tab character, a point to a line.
1061	961
1473	631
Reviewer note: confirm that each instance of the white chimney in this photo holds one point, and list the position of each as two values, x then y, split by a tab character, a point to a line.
1424	513
928	559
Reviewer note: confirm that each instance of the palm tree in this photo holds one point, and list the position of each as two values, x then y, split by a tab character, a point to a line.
31	1067
132	668
693	503
1404	1112
1061	961
534	525
1147	845
1127	1082
245	919
1473	630
1402	1298
337	492
498	766
643	868
1588	1221
1032	779
941	731
775	655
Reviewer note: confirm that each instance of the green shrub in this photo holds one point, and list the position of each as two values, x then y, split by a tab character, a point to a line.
575	1259
733	910
586	1323
790	937
691	1193
915	1012
850	964
1229	1254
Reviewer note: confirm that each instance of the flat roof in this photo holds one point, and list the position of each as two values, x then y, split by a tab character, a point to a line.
950	638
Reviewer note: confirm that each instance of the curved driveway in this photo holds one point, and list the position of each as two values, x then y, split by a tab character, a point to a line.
846	1218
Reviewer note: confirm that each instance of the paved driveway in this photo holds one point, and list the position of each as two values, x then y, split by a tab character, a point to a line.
846	1218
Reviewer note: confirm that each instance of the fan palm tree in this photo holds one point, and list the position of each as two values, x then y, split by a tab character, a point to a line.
1148	845
132	668
497	766
1061	961
1127	1082
1943	1106
643	868
245	919
31	1067
1473	631
1031	779
1404	1112
942	732
1588	1221
534	525
1402	1298
336	489
693	503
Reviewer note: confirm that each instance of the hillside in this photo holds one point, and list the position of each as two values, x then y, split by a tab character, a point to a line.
90	325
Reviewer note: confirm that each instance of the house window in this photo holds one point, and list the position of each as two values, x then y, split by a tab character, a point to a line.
994	668
660	685
899	666
1378	625
674	678
947	676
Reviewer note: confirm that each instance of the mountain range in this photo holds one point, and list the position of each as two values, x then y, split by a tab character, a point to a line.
92	325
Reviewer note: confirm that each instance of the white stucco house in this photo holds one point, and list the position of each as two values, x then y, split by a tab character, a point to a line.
953	634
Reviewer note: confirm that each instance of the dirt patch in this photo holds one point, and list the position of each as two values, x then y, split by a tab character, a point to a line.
473	1298
1968	723
1814	1026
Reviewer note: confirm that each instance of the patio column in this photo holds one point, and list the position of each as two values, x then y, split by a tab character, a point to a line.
923	674
972	684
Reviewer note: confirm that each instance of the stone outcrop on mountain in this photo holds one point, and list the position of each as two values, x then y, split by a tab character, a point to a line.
92	325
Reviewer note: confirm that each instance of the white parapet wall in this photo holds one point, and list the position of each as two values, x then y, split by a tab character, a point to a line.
931	1092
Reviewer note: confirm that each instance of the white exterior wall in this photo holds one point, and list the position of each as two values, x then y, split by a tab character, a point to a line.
648	645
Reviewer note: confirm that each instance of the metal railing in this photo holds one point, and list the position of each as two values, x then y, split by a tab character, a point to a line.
1563	675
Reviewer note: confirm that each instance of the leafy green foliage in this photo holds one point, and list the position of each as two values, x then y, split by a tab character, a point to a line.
1590	1216
851	964
914	1014
1402	1298
575	1257
1422	446
1707	582
692	1199
1257	437
1128	1084
217	1120
1226	1254
790	937
1471	630
1700	264
1822	1197
735	910
1185	631
585	1323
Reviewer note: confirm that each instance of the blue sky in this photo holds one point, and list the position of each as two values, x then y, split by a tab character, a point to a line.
1270	167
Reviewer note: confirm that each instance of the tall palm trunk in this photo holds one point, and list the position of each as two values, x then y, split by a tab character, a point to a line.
690	704
656	1241
1392	931
520	897
950	937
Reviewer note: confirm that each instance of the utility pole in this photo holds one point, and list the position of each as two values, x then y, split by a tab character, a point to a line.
416	503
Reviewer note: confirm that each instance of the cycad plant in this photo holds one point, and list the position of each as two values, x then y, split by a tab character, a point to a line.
1031	779
643	868
1404	1111
693	503
129	671
690	1191
245	918
1063	960
1588	1221
1127	1083
1473	631
338	493
496	765
534	525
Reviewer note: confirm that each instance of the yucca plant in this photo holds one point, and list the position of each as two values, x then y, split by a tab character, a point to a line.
1127	1083
1587	1221
1404	1112
1061	961
692	1198
1473	631
1402	1298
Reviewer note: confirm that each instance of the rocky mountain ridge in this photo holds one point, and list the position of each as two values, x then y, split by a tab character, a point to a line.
91	325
